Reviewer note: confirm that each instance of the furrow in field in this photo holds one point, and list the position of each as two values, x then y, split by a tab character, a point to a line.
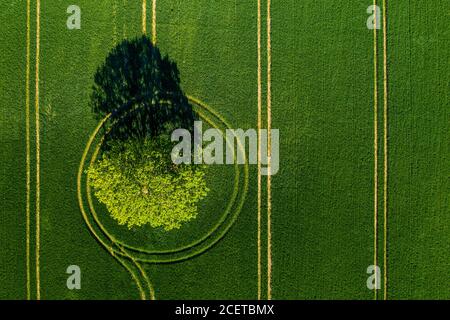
144	16
38	175
28	151
375	146
259	144
385	142
154	21
269	142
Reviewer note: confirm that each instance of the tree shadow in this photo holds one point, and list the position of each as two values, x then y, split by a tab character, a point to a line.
141	90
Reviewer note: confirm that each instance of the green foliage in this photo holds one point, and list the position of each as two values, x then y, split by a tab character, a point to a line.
140	185
135	177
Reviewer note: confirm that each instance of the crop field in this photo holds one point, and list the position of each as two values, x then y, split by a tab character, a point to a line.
363	187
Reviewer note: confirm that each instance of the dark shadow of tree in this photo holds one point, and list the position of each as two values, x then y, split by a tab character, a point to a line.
141	90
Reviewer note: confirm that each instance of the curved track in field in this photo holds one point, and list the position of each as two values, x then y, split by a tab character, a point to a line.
130	256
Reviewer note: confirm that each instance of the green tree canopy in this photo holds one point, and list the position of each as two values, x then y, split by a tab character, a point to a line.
139	184
135	177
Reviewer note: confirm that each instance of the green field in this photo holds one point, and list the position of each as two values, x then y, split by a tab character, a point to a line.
319	230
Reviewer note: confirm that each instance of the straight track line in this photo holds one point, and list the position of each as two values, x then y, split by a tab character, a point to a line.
375	148
154	21
259	145
269	125
385	142
144	16
28	151
38	149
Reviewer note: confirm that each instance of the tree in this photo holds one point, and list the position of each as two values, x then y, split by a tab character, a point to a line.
135	177
139	184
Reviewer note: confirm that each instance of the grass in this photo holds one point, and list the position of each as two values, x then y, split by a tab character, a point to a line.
322	200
